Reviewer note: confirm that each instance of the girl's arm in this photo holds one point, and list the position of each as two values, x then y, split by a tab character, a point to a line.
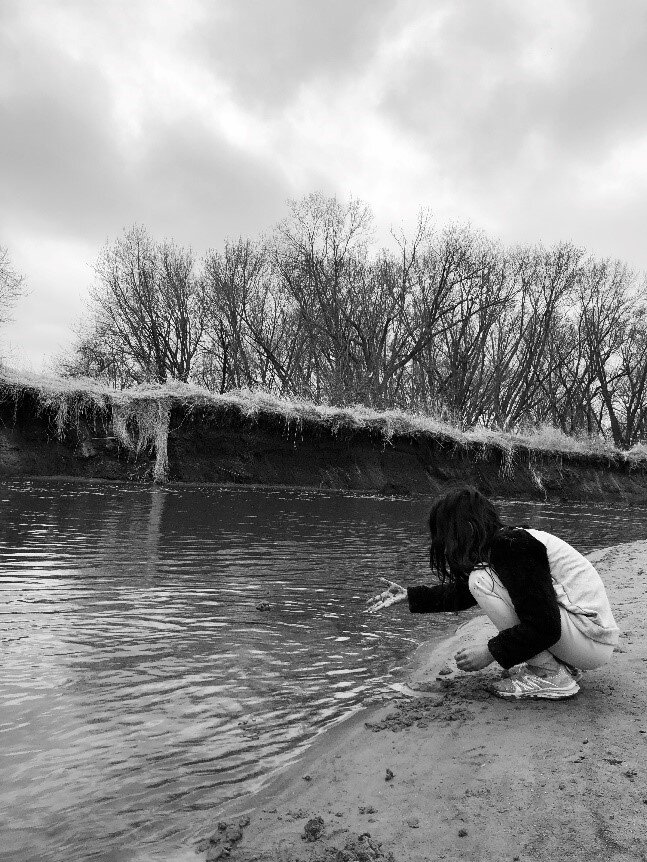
451	596
521	563
425	600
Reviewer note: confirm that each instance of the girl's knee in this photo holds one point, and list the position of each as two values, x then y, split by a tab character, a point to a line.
598	657
492	597
481	582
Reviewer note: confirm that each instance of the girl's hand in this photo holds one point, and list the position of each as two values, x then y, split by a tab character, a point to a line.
473	658
394	593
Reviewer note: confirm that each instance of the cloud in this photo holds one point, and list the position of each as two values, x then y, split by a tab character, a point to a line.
58	167
267	52
600	97
516	104
83	155
478	79
200	189
43	320
199	119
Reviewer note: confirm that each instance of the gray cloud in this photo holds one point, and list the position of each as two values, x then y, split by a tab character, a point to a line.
199	190
601	95
479	97
59	166
268	50
64	172
526	118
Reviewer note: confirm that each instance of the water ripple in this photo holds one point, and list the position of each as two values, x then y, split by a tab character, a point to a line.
141	687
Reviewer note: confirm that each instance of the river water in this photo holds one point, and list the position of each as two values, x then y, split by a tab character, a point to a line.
140	686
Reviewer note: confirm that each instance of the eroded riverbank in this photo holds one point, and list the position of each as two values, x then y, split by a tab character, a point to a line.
182	434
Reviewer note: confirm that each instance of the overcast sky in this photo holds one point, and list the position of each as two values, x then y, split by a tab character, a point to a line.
201	118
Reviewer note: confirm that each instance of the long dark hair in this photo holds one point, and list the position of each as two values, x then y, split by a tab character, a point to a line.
462	524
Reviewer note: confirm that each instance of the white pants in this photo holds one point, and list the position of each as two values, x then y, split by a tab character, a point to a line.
573	647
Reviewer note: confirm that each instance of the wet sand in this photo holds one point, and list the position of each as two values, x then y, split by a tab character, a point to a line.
447	771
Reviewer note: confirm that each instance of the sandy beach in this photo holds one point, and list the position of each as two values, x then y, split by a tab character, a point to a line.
445	770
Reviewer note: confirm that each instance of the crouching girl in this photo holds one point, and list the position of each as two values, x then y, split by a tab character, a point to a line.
546	600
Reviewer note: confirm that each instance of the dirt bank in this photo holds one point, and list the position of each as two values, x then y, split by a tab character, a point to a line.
179	433
454	773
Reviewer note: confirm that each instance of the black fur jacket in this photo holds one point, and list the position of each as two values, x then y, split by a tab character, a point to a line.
521	563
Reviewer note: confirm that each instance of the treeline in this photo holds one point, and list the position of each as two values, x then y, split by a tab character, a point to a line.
447	322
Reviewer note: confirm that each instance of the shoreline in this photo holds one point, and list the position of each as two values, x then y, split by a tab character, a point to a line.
472	776
628	502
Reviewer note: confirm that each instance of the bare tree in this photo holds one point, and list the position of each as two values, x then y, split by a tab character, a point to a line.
148	305
369	320
454	363
10	285
320	252
519	348
569	399
448	322
250	339
229	280
99	355
605	306
631	390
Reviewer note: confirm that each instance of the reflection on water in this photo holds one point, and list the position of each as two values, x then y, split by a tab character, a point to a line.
141	687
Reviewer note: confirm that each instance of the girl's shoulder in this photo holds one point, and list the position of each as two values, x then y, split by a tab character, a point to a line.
511	539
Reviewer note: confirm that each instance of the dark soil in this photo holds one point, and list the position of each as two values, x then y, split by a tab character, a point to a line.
223	446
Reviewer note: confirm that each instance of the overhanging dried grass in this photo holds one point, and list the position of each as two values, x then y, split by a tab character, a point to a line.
140	419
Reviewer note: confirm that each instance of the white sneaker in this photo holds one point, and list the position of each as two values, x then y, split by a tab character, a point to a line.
526	684
575	672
